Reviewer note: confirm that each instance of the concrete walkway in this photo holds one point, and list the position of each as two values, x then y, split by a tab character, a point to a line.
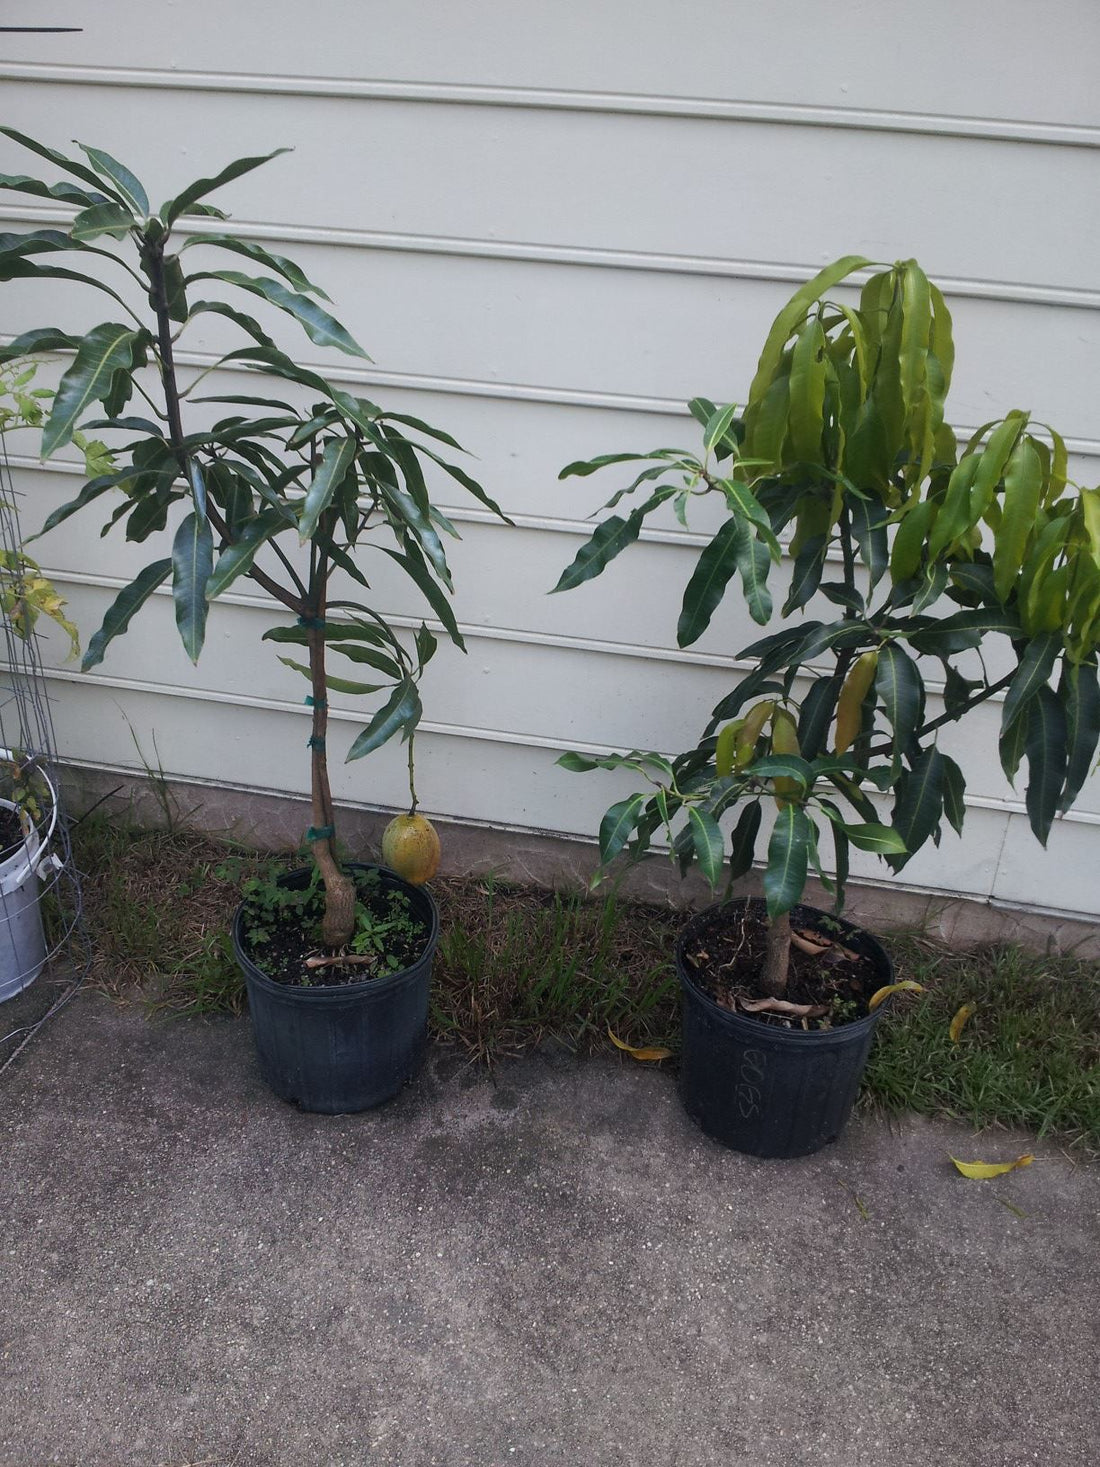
550	1267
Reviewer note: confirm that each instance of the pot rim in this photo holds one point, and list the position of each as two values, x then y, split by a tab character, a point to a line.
759	1026
254	974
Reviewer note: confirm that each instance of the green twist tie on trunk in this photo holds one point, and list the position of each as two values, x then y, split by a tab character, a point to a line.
315	741
326	832
312	621
313	702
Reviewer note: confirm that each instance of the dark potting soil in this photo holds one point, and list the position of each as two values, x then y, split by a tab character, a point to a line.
11	832
827	976
282	932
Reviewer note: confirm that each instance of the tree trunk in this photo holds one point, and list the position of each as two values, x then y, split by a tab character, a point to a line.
339	919
777	960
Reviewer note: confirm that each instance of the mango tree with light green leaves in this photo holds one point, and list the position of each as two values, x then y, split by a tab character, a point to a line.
338	477
935	557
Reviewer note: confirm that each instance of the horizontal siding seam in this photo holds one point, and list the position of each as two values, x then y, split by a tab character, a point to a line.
782	114
596	257
669	407
543	743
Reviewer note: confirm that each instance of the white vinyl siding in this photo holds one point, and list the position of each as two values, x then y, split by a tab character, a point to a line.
550	224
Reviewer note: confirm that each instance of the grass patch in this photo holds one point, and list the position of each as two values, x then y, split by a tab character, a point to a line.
519	965
1029	1056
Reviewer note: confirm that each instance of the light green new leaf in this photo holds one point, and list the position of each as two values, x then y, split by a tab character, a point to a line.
788	860
791	315
121	611
335	461
1023	487
807	389
401	711
717	426
105	350
192	563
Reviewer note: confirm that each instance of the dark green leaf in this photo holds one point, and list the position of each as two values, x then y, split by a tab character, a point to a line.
788	859
716	564
67	193
806	575
333	684
1081	702
245	322
816	715
319	326
335	461
1033	672
709	845
192	563
67	165
279	264
743	840
1046	759
122	609
112	219
918	802
401	711
954	790
117	173
105	350
782	766
898	686
181	204
617	825
880	840
608	540
1011	745
236	559
412	563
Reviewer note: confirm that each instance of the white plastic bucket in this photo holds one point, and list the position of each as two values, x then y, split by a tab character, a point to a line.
22	939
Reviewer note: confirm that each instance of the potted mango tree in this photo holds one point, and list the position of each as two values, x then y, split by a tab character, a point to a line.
292	485
912	559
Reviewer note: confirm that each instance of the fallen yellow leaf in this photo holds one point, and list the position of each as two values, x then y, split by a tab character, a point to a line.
982	1170
645	1052
908	986
958	1023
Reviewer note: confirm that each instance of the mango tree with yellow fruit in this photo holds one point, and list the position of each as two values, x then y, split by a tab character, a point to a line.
926	577
286	479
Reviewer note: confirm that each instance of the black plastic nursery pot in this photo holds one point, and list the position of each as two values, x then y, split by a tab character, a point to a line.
347	1047
764	1090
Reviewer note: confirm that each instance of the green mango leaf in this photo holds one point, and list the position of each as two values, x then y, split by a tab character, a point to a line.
121	611
65	193
809	565
713	570
954	790
1080	697
1011	745
1033	672
816	715
338	456
277	264
1046	760
898	687
880	840
113	219
789	318
105	350
807	393
1019	507
44	338
412	563
788	860
133	195
181	204
67	165
401	711
617	825
333	684
782	766
608	540
321	328
918	803
743	840
709	844
236	559
369	657
909	540
192	563
742	501
868	523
